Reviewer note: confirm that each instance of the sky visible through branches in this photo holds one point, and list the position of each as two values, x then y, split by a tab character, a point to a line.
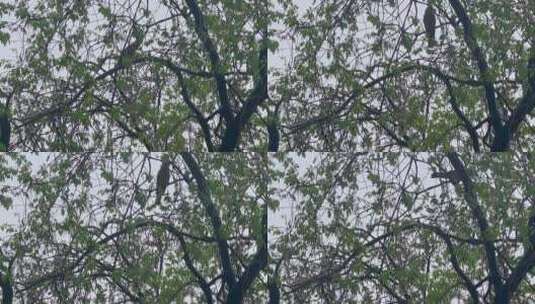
279	151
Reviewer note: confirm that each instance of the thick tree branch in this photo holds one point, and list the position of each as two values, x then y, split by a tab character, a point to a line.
7	288
213	214
273	291
273	134
468	284
527	103
526	263
501	133
215	61
198	276
481	220
258	95
252	270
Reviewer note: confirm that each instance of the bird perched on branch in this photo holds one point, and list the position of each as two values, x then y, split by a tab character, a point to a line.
429	25
5	129
128	52
162	179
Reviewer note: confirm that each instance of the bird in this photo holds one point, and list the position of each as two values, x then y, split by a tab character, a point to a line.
162	179
126	54
5	130
406	199
430	24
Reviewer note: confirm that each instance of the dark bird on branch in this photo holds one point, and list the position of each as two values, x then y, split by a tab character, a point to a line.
430	25
162	179
128	52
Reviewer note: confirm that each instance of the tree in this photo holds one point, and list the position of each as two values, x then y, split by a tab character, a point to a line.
157	76
378	228
172	75
362	76
87	238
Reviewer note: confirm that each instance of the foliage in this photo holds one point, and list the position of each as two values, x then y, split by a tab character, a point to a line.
167	75
91	234
355	238
364	77
150	75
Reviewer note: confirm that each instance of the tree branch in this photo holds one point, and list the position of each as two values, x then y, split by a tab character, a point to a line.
215	61
252	270
213	214
200	279
258	95
501	139
203	122
527	103
7	288
479	216
454	262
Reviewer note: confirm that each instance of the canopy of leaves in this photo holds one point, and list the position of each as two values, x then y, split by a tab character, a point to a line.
362	76
169	75
90	232
150	75
388	228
